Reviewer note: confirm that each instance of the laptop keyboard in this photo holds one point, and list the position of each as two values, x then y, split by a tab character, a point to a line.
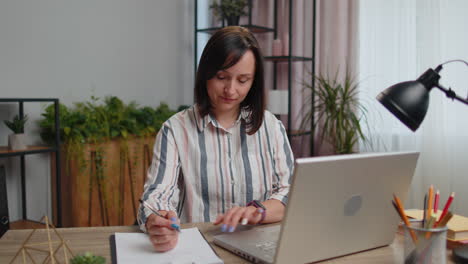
268	247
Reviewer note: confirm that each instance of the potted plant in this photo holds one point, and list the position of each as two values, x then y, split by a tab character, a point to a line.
105	152
16	141
229	10
339	115
88	258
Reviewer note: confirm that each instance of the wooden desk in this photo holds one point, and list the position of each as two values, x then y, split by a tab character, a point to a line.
96	240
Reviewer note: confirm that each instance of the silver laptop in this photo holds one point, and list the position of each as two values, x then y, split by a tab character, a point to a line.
338	205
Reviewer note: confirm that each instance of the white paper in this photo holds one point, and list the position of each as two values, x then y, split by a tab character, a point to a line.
191	248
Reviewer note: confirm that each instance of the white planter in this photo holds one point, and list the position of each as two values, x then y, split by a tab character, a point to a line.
17	141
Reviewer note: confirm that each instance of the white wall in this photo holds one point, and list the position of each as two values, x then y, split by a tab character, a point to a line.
138	50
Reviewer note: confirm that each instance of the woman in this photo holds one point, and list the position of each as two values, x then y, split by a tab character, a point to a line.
225	159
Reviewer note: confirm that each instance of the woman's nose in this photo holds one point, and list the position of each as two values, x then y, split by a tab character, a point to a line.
229	87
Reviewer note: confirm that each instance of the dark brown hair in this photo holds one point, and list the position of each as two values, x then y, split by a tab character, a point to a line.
224	49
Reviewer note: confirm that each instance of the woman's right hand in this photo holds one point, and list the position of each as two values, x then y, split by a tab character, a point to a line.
161	234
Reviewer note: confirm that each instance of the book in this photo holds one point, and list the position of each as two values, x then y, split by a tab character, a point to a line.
456	243
191	248
457	226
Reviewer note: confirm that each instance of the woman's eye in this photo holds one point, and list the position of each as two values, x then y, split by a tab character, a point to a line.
244	80
220	77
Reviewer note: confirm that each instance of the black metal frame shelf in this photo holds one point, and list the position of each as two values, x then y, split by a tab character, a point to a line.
6	153
252	28
287	58
296	133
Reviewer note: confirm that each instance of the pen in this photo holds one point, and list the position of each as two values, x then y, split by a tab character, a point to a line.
446	207
404	217
147	205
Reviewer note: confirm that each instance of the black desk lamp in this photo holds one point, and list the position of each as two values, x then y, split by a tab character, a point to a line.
408	101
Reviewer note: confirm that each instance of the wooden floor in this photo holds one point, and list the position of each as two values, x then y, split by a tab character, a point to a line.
25	224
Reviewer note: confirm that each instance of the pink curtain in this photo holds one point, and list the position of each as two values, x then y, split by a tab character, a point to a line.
337	44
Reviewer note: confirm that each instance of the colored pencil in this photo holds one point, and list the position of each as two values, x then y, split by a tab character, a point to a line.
445	220
430	223
396	208
446	207
436	202
404	217
424	210
429	202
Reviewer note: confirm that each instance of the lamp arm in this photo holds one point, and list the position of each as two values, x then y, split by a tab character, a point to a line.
451	94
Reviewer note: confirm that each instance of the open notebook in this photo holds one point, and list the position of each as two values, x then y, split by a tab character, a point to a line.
192	248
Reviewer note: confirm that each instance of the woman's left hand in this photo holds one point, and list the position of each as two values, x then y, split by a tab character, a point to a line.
244	215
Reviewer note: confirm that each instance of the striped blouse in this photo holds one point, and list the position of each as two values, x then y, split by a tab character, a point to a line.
199	169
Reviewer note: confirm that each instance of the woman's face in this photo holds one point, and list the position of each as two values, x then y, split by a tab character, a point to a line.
229	87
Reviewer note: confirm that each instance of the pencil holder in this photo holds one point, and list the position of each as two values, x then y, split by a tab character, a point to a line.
424	245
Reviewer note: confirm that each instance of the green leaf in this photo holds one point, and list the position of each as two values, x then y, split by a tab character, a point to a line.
87	258
17	124
66	130
93	121
337	110
114	133
229	8
124	133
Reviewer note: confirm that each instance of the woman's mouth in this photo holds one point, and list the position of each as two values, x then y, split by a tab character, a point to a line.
227	100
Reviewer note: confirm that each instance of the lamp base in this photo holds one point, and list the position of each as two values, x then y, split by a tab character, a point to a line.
460	254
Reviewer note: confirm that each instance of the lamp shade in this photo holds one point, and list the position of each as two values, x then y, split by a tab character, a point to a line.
408	101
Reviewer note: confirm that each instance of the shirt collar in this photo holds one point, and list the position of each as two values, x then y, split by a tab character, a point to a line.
202	122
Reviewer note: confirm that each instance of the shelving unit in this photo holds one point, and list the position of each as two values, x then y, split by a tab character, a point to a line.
7	153
289	59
